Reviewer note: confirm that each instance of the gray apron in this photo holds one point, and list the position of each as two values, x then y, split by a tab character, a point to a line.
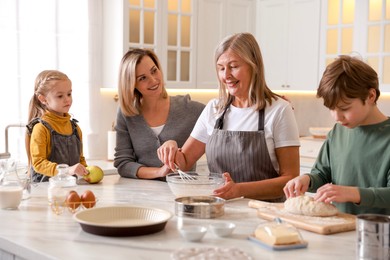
243	154
64	148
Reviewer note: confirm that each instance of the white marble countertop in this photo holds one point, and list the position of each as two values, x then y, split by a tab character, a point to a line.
106	165
35	232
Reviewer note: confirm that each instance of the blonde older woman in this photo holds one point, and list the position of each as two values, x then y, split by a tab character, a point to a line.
249	133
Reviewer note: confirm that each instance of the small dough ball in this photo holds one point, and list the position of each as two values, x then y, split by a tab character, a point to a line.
306	205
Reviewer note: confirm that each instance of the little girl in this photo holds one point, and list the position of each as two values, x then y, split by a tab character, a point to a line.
53	137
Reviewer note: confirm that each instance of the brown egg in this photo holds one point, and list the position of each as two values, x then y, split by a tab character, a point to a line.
88	199
73	200
73	191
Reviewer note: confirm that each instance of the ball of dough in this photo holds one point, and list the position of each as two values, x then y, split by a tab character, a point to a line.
306	205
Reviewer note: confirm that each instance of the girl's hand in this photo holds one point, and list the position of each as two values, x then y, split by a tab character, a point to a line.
297	186
167	152
335	193
78	169
229	190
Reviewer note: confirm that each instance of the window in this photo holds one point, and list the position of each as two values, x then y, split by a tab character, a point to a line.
35	36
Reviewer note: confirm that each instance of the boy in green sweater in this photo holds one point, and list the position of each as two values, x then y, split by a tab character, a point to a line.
352	170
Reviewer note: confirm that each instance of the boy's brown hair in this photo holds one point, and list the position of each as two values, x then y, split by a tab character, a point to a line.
346	78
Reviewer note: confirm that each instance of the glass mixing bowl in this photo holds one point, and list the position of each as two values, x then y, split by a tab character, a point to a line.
198	185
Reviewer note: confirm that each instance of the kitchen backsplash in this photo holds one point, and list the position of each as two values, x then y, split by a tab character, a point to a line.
309	112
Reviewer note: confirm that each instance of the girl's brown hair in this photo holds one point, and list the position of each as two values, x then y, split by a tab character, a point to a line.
346	78
129	96
245	46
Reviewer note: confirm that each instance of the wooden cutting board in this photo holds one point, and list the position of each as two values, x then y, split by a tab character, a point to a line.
342	222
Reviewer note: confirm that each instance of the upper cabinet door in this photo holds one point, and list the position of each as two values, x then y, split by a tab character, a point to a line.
289	40
178	42
167	27
358	28
183	33
273	41
216	20
211	29
303	44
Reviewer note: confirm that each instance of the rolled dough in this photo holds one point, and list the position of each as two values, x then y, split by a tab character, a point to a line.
306	205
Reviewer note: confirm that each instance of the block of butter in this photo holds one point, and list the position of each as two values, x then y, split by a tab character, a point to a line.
278	234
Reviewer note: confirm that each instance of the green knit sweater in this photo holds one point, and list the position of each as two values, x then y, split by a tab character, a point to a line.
358	157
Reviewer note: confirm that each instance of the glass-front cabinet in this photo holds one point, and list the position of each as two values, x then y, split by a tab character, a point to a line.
179	42
142	21
167	27
359	28
183	33
298	38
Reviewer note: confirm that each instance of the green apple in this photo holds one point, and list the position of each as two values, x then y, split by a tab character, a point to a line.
95	174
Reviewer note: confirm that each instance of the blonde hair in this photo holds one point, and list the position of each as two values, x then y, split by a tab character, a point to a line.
44	83
129	96
245	46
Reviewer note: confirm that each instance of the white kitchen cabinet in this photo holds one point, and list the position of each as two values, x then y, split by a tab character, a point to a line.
308	152
288	33
185	65
216	20
167	27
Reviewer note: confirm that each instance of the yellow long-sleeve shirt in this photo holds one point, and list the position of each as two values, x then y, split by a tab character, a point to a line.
40	142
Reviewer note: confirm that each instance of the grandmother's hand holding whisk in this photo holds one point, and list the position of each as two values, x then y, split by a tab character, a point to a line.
167	153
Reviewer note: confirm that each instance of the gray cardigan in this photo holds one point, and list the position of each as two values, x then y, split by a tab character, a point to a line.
136	143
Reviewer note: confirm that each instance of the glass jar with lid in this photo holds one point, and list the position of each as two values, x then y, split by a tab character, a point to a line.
59	187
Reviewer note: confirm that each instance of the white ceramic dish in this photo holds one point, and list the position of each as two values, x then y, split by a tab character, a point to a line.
122	220
193	233
222	229
319	132
200	185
